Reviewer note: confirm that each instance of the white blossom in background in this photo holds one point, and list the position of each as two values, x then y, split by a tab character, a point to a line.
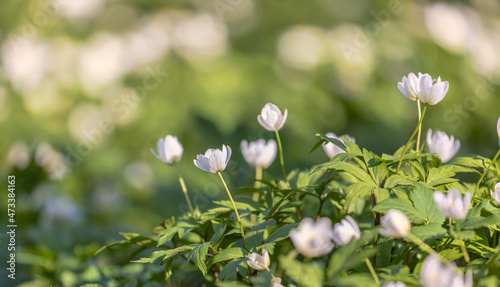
259	153
25	62
345	231
59	209
170	150
276	282
200	38
214	160
452	204
394	224
460	280
259	262
445	147
139	175
331	149
498	127
18	155
434	274
79	9
51	160
103	61
313	238
271	117
431	91
496	193
302	47
394	284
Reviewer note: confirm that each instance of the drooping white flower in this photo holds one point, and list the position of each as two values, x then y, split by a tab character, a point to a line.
395	224
409	86
459	280
259	262
429	92
313	238
394	284
214	160
331	149
345	231
434	274
445	147
259	153
169	150
496	194
271	118
452	205
276	282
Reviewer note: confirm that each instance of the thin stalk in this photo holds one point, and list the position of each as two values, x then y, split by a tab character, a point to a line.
281	160
234	206
256	195
184	189
411	138
299	213
425	247
420	125
372	271
485	171
321	201
462	244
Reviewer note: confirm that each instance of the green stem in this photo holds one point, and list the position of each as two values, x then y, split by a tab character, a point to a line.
420	125
299	213
372	271
462	244
411	138
256	195
484	173
184	189
234	205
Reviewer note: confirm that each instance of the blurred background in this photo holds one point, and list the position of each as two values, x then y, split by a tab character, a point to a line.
89	86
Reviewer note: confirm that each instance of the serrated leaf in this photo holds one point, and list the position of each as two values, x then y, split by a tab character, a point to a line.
228	254
264	225
429	232
277	205
253	239
376	166
198	255
425	205
219	228
473	223
229	272
305	274
397	179
352	169
401	205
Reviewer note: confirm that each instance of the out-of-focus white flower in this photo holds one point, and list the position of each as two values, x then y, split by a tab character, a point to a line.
394	284
259	153
169	150
313	238
429	92
139	175
25	62
79	9
496	194
103	61
498	127
345	231
409	86
259	262
395	224
449	26
214	160
51	160
276	282
452	205
271	118
445	147
60	209
459	280
302	47
200	38
18	155
331	149
434	274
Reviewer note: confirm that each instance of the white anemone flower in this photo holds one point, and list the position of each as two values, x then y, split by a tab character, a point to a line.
214	160
445	147
452	204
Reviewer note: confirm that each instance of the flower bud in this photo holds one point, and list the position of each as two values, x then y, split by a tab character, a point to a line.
445	147
259	262
271	118
345	231
496	194
452	205
395	224
169	150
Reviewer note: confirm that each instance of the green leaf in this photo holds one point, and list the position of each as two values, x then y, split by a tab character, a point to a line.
199	254
304	274
399	204
397	179
429	232
229	272
384	251
219	229
264	225
253	239
376	166
357	190
425	205
168	234
355	280
381	194
352	169
441	175
281	233
168	269
277	205
473	223
228	254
